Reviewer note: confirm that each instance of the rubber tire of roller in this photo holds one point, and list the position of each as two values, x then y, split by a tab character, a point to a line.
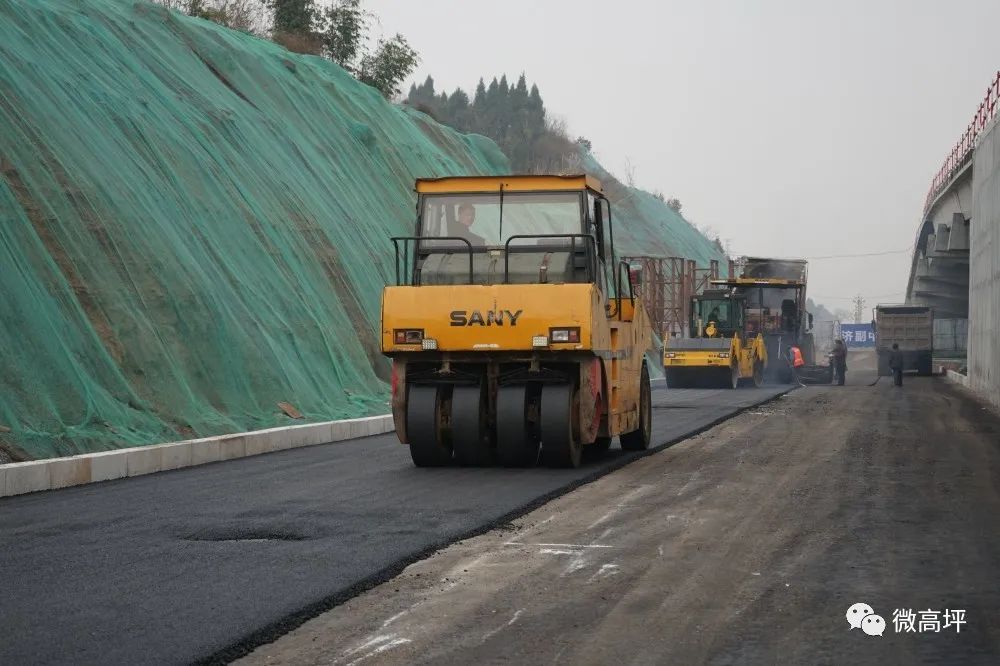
638	440
676	378
428	447
517	444
560	448
469	434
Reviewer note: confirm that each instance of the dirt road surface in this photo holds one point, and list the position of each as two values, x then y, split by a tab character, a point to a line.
745	544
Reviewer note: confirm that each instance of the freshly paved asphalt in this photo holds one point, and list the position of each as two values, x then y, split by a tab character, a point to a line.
207	562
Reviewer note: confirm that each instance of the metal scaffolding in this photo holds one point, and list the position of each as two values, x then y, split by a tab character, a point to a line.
668	283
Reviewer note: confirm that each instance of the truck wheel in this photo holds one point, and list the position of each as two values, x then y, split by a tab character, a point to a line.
561	445
426	414
638	440
469	432
517	441
676	378
926	366
883	365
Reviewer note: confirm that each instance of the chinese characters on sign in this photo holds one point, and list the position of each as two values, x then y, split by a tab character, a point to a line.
858	335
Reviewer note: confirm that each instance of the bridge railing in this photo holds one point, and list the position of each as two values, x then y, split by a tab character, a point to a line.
963	149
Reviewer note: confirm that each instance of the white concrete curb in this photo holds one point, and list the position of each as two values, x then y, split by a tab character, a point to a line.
958	378
28	477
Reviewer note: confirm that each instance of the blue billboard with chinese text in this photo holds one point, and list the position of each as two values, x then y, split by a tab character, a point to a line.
857	335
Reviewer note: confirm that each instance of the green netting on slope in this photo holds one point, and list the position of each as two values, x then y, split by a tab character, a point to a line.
193	227
644	225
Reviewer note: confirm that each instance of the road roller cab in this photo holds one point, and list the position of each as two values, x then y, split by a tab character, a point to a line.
513	328
721	351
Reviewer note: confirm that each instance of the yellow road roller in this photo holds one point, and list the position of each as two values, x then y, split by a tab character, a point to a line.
513	329
721	351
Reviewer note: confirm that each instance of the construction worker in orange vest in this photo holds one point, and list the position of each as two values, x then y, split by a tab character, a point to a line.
796	356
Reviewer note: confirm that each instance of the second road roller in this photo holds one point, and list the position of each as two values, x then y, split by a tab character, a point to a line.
514	332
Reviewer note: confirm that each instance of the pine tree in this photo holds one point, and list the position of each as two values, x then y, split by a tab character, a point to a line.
457	110
480	98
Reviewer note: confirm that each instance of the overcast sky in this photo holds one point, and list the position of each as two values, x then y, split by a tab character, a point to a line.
790	127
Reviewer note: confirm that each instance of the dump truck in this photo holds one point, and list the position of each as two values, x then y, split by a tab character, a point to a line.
909	326
514	332
719	351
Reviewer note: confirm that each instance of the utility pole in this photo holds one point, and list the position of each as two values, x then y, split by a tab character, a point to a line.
859	308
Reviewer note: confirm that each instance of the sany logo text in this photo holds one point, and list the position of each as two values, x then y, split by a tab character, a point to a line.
476	318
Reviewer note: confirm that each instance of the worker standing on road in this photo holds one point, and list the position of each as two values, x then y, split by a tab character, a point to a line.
796	361
896	364
795	356
840	361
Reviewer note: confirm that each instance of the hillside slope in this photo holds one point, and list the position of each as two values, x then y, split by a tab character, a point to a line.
193	227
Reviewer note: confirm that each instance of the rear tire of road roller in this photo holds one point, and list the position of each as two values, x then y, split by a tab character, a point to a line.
517	443
470	436
758	374
676	378
426	414
638	440
561	445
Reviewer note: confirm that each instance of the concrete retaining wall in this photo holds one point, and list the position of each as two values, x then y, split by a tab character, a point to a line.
984	270
27	477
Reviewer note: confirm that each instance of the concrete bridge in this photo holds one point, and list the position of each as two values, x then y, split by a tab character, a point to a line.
956	258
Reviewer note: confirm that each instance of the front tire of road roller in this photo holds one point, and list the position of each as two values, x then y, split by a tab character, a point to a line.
469	431
427	410
561	445
517	442
638	439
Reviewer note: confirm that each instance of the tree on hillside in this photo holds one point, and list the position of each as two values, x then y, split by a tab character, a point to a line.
293	17
387	66
344	29
243	15
675	203
512	115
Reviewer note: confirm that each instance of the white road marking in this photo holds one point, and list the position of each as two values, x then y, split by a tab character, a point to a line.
494	632
605	570
577	563
389	642
555	551
380	644
622	503
397	616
